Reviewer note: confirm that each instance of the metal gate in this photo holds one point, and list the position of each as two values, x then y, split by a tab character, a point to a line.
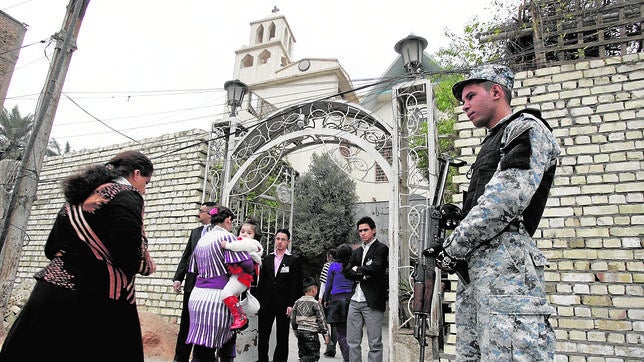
409	138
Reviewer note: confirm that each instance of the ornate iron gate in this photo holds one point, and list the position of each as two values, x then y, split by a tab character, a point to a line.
364	140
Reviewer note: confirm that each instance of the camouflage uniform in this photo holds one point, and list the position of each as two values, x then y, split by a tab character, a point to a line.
502	314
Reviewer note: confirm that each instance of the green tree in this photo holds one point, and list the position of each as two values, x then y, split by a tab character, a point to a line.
53	148
323	215
14	133
463	53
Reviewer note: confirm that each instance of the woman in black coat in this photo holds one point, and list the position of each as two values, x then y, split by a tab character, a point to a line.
83	300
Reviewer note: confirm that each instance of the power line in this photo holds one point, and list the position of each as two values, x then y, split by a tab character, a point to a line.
18	4
288	110
383	83
24	46
101	122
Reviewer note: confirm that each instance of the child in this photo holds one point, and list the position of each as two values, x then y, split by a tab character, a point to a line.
241	278
307	319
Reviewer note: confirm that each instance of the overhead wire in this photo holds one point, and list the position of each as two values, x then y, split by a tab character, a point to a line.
274	99
24	46
156	124
383	83
374	87
289	109
98	120
14	5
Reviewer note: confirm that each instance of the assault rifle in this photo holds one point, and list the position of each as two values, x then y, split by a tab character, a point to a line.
439	218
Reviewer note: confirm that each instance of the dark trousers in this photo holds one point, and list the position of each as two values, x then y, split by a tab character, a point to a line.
333	340
183	349
225	353
308	344
341	329
265	319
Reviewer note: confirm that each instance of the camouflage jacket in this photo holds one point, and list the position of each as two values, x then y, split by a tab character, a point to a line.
511	188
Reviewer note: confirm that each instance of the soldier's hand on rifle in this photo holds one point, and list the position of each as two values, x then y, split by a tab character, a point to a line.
443	260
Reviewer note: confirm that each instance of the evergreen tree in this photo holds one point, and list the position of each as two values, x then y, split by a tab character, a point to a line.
323	215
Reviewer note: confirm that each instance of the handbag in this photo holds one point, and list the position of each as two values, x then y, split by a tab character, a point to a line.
250	304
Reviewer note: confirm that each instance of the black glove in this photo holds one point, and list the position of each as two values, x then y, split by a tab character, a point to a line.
443	260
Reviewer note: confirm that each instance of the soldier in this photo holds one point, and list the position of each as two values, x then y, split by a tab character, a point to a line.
502	314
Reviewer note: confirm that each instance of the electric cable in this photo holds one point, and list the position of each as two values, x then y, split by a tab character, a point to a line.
24	46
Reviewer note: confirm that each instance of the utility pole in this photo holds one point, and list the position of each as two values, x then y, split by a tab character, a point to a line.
24	191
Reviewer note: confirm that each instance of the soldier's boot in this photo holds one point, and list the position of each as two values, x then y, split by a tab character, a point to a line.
240	320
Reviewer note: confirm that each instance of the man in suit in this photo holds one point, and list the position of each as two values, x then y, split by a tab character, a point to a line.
280	285
368	267
182	350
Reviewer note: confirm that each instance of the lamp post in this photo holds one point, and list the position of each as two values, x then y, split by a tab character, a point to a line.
411	100
235	95
411	48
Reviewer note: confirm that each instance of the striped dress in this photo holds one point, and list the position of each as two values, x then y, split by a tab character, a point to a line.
210	319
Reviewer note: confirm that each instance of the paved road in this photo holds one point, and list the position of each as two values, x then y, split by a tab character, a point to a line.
338	356
251	354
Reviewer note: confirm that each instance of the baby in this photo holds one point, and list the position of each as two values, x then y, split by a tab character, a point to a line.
241	278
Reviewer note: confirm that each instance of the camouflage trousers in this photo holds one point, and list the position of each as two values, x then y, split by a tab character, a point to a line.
502	314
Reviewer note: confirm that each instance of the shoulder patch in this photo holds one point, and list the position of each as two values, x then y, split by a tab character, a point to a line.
516	154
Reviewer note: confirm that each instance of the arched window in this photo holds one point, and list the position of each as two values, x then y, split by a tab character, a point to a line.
247	61
284	62
260	34
271	31
264	57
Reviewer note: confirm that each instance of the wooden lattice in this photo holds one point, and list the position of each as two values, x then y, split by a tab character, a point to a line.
553	32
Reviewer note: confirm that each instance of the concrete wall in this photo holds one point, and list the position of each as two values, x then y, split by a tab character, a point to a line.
592	228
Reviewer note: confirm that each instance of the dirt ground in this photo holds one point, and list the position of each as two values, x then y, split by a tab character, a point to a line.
159	337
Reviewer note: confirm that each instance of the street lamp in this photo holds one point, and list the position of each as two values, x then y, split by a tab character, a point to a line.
236	91
411	48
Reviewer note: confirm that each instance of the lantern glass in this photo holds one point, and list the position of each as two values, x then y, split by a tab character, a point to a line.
411	49
236	91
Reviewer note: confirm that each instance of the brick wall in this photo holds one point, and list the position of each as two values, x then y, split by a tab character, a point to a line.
171	199
12	33
592	228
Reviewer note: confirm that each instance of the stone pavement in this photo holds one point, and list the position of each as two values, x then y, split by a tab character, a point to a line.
292	346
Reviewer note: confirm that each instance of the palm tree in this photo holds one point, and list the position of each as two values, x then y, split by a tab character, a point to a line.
14	133
53	148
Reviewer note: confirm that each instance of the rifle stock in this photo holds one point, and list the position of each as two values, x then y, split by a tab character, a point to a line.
425	269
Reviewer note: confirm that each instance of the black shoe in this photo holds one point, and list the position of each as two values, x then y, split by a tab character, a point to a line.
329	354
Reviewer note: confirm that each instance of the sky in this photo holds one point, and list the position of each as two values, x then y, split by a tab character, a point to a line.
151	67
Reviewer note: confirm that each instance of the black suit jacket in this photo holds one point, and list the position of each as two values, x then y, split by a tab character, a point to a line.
182	268
282	290
372	274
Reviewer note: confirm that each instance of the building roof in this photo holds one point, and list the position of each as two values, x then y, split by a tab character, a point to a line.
396	73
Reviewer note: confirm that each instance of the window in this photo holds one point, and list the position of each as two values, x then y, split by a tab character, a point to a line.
260	34
247	61
380	174
271	31
264	57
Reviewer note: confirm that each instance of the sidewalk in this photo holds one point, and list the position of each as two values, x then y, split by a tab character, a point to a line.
292	346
